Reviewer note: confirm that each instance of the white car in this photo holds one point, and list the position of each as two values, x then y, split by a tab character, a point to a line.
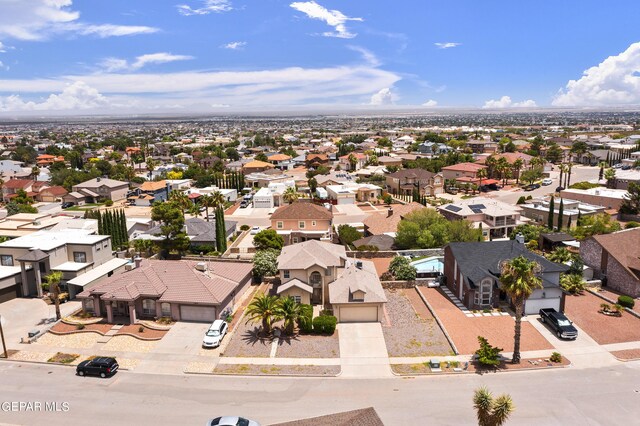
231	421
255	230
215	334
547	181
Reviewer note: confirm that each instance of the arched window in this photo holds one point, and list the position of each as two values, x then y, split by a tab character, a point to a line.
166	309
315	279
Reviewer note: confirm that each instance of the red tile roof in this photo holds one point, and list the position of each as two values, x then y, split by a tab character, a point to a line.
302	210
18	183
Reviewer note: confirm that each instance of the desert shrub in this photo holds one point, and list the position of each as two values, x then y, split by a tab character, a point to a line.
521	200
245	227
79	326
325	324
141	329
108	203
631	225
488	355
556	357
626	301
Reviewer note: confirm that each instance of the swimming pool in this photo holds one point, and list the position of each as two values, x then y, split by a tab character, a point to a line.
429	265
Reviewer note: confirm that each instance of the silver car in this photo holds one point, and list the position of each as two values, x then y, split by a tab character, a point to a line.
231	421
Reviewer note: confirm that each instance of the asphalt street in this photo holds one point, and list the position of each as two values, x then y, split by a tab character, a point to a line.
598	396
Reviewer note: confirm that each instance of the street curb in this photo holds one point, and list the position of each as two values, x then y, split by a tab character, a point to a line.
48	363
266	375
464	373
435	316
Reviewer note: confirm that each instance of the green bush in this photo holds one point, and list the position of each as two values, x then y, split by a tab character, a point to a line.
521	200
555	357
305	321
108	203
488	355
245	227
80	326
626	301
631	225
325	324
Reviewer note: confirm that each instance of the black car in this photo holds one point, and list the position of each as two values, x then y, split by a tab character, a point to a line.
559	323
532	187
101	366
67	205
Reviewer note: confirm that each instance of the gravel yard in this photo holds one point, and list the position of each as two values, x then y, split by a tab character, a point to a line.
278	370
412	330
75	340
31	356
129	344
627	354
200	367
309	346
63	327
583	310
247	342
148	333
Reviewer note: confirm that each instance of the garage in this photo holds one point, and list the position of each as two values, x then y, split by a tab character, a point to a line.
533	306
346	200
197	313
9	293
358	314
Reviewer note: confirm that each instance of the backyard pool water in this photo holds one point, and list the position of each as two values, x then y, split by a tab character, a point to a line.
429	264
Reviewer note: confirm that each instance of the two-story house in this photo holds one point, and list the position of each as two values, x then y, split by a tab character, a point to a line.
12	186
25	261
468	170
537	210
96	190
406	181
302	221
316	160
472	273
320	273
495	218
150	192
352	161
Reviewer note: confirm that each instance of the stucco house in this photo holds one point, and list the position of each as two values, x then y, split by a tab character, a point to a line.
615	259
96	190
472	273
320	273
406	181
179	289
302	221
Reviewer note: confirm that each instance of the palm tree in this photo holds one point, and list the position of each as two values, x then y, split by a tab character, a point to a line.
491	164
35	171
602	166
569	167
516	167
151	165
562	169
290	311
290	195
181	199
537	161
352	161
481	174
313	185
263	308
610	175
560	255
207	201
53	282
519	279
490	411
217	200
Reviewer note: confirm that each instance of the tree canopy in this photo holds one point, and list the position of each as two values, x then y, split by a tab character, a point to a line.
426	228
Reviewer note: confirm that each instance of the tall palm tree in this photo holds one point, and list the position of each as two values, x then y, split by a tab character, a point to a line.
490	411
290	311
35	171
602	165
537	161
352	161
53	282
207	201
481	174
610	175
562	169
491	165
290	195
516	167
181	199
217	199
569	167
519	279
263	308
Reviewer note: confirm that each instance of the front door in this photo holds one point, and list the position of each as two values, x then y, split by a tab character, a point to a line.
316	296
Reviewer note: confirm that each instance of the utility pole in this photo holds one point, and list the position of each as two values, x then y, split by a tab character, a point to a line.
4	345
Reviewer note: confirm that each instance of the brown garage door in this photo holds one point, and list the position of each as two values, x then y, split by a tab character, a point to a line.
8	293
358	313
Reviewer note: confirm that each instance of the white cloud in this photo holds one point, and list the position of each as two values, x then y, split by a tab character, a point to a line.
3	48
77	96
209	6
615	81
39	19
367	55
430	103
382	97
447	45
234	45
333	18
117	64
506	102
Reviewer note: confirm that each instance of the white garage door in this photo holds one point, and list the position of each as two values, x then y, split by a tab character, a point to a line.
197	313
344	200
358	313
533	306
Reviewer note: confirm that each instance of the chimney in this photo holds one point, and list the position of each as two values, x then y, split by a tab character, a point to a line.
359	264
520	238
98	179
390	212
138	261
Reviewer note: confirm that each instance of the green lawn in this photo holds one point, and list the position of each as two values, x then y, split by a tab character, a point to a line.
84	207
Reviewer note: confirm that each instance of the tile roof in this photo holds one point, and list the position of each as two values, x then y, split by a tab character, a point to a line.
421	174
279	157
306	254
18	183
174	281
301	210
256	163
354	279
153	186
294	283
465	167
54	190
363	417
98	182
380	223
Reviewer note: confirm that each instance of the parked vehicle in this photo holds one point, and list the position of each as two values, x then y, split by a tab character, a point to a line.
231	421
547	181
560	188
67	205
559	323
101	366
531	187
215	334
255	230
244	204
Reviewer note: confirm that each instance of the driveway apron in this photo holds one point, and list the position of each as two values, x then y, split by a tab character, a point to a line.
363	352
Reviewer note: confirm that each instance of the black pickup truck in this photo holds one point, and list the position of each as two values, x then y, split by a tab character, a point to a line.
559	323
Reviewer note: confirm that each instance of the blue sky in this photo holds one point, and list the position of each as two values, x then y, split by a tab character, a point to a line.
68	56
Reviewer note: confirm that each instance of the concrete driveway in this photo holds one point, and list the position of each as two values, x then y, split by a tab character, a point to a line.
584	352
363	352
19	316
176	348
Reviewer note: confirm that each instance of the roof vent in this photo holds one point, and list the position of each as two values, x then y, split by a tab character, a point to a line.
520	238
359	264
201	266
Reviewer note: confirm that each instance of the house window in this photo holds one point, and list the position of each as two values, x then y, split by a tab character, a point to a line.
6	260
148	307
79	257
98	247
298	299
105	244
166	309
301	225
295	240
327	272
285	273
87	305
483	293
315	279
313	223
279	225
